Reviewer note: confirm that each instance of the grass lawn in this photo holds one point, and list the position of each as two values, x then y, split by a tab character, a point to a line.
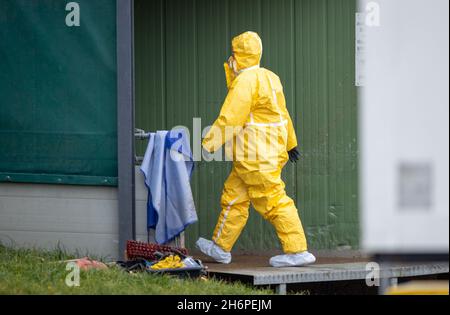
29	271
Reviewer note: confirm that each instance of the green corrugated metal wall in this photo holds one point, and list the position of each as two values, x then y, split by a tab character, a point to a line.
180	49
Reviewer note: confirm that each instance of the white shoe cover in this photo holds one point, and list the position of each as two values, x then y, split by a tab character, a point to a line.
212	250
292	260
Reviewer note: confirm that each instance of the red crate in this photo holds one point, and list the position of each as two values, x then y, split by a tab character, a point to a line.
136	249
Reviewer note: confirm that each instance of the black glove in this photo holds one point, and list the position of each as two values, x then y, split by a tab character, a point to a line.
294	155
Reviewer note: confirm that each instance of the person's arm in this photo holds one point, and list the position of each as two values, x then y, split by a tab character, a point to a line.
234	113
292	138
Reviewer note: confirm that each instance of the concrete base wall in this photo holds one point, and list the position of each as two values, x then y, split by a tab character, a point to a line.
77	218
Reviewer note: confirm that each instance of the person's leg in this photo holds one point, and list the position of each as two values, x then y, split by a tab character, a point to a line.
235	203
268	196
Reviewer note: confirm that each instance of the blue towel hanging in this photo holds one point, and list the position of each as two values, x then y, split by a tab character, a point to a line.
167	168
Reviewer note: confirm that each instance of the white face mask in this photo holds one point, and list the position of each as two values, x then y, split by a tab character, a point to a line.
233	65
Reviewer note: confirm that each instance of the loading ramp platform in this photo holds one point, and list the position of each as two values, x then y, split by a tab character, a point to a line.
257	271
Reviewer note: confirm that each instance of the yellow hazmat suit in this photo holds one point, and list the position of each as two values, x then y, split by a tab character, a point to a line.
264	134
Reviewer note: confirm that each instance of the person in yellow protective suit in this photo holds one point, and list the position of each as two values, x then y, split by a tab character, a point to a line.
255	119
